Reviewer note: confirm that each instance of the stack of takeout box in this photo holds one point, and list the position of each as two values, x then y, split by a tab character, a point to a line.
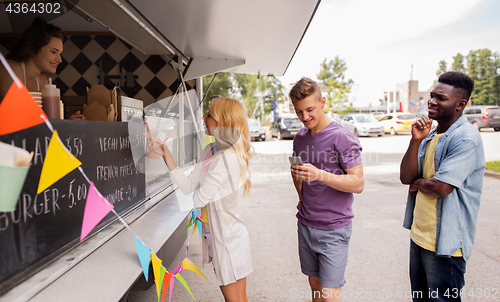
101	104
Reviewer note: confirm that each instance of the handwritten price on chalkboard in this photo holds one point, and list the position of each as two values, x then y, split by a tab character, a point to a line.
75	146
81	193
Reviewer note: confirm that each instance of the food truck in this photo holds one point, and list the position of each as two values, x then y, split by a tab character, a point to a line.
149	57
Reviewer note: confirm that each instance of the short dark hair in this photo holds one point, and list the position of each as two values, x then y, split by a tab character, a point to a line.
33	39
304	88
463	84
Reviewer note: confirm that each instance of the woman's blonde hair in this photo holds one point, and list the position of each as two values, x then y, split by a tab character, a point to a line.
232	132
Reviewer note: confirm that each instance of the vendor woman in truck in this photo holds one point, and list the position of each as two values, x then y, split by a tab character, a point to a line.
34	55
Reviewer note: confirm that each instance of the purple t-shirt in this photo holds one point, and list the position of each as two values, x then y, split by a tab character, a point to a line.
333	149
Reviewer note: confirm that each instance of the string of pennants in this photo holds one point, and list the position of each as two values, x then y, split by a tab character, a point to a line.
59	162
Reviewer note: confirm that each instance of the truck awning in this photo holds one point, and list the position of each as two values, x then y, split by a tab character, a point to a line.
256	37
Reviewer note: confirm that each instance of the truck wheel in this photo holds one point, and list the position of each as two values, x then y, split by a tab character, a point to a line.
496	129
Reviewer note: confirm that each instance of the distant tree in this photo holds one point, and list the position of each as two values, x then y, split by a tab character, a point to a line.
270	88
245	88
332	75
253	90
458	63
483	66
222	85
246	85
442	68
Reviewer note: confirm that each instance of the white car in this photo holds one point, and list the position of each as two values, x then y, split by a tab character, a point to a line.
362	124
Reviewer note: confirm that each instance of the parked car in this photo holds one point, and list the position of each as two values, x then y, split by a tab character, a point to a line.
257	132
483	116
362	124
286	126
334	117
378	114
398	122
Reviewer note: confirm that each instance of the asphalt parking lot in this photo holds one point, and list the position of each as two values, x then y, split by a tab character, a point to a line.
378	259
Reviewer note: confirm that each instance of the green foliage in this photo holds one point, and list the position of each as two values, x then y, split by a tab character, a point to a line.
483	66
270	88
442	68
332	75
244	87
247	86
458	63
222	86
493	166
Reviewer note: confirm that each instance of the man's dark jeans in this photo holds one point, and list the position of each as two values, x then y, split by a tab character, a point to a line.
435	278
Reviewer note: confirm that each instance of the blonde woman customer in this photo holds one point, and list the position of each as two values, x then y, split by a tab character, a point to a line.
217	182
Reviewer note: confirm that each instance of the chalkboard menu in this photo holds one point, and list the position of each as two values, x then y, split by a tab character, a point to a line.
48	224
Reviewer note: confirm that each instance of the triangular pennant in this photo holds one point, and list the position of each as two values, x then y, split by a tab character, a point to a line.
189	224
144	254
179	277
196	214
198	224
156	270
163	270
58	162
194	230
19	111
177	269
96	208
172	280
166	281
188	264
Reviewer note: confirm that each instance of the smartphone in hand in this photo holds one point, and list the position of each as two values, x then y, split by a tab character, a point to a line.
295	160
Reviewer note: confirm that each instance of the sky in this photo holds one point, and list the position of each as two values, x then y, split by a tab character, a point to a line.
381	40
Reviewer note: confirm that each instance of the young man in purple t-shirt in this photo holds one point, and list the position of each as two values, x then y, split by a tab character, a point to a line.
331	173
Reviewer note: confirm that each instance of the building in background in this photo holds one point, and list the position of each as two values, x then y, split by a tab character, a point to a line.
365	100
411	99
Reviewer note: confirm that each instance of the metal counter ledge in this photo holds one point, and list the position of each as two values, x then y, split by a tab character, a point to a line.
106	265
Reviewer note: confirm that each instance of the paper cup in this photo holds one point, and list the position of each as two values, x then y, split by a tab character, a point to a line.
11	183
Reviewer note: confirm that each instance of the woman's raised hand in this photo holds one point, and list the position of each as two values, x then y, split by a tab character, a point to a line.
154	147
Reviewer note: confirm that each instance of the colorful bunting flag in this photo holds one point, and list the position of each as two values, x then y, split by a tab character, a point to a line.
179	277
144	254
172	280
196	214
163	270
96	208
19	111
189	224
194	230
166	281
58	162
156	270
196	220
198	224
188	264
